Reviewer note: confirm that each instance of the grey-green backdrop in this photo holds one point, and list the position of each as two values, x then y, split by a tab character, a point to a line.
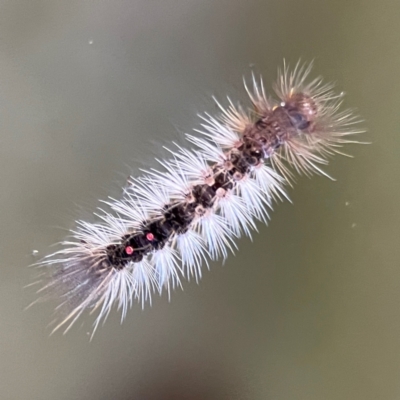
310	309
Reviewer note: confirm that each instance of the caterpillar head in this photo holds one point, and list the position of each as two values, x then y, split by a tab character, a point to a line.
303	111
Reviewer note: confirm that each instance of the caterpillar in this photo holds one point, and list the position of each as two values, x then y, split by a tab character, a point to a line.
170	221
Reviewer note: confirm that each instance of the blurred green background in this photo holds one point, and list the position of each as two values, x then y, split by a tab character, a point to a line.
310	309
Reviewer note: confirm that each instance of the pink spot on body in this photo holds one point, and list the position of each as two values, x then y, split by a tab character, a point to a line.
150	237
129	250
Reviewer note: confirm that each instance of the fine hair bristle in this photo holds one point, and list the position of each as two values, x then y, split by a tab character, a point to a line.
170	222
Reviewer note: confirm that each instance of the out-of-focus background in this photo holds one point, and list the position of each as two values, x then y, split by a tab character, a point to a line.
310	309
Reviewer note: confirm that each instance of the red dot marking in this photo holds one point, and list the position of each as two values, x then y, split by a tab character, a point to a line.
150	237
129	250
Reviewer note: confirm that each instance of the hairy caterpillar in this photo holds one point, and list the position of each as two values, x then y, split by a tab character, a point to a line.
170	221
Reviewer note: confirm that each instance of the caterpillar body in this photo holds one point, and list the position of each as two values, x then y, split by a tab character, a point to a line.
169	222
